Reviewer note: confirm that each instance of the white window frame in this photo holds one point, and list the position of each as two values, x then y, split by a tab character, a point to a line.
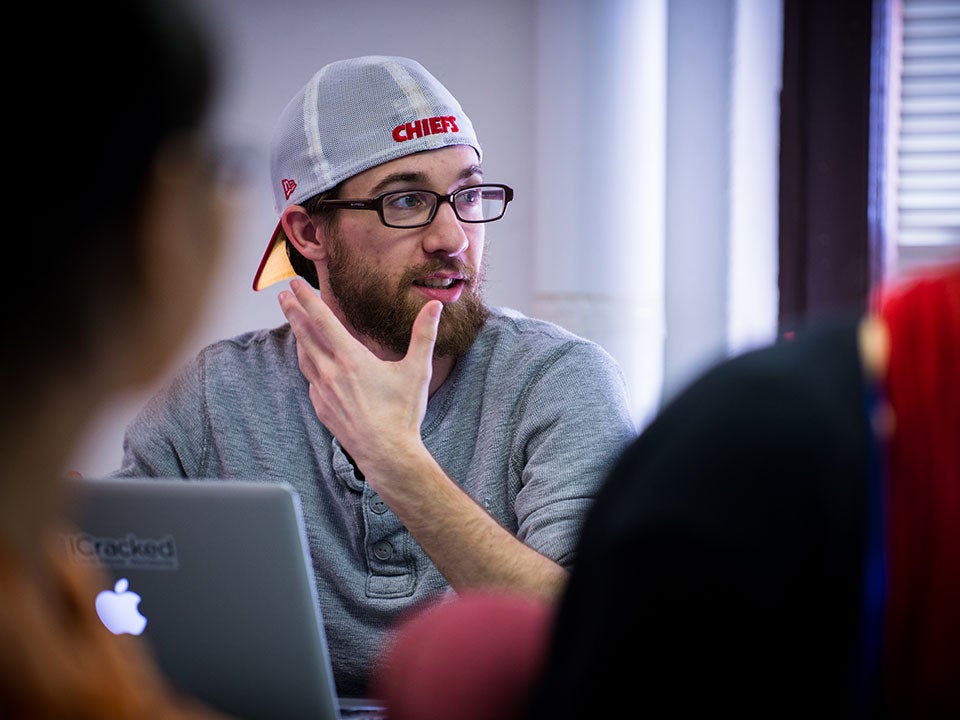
919	164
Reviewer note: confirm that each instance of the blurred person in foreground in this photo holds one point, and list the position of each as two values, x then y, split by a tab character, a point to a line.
783	540
437	444
125	211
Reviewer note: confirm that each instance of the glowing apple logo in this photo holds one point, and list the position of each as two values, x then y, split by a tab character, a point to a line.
118	610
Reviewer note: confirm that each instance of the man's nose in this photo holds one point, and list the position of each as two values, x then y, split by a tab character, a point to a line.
445	234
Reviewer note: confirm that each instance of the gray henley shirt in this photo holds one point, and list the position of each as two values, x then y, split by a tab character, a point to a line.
529	422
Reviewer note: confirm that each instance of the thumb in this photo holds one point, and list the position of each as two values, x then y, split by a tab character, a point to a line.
424	334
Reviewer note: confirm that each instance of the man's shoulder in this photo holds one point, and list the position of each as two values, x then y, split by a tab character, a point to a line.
263	340
505	323
511	339
255	350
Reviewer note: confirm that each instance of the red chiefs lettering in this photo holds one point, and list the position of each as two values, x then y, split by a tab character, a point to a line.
424	127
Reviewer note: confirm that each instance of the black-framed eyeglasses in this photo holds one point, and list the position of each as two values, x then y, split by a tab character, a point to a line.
416	208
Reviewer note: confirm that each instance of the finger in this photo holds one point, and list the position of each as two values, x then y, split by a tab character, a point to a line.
307	365
309	317
293	309
312	346
423	337
314	305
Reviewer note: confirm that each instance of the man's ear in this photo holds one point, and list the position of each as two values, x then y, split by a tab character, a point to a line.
307	235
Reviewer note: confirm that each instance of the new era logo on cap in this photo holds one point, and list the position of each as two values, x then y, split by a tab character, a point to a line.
288	187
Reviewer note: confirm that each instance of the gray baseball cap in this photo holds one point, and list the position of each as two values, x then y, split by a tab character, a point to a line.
351	116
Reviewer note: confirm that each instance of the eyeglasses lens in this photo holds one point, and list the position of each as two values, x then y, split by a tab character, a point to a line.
480	203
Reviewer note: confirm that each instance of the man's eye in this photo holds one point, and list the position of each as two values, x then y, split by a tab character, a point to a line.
407	201
469	197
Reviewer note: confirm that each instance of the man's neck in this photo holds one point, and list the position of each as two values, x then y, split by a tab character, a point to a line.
442	367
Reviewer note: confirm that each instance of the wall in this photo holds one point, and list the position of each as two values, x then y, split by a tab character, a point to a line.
619	123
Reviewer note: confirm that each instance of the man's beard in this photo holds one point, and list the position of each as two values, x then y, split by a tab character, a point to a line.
385	314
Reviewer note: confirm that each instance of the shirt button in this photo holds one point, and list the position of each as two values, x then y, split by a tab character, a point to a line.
382	550
378	505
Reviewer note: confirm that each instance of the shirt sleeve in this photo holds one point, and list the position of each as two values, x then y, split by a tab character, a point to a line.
169	435
572	423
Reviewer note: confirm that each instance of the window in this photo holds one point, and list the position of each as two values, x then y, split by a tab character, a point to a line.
923	131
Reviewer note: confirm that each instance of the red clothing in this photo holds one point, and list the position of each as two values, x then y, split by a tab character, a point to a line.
472	657
922	648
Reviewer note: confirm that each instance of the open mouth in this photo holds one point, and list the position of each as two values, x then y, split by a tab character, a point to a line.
439	283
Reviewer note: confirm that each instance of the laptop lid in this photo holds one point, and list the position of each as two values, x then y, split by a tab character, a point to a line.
215	575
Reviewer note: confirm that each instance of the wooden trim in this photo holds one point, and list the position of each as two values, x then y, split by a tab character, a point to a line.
825	264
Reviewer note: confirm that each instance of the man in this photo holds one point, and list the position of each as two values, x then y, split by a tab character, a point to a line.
436	443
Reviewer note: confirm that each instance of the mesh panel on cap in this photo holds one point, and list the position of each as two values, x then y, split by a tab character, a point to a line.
341	123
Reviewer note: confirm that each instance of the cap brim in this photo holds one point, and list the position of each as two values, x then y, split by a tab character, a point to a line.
275	265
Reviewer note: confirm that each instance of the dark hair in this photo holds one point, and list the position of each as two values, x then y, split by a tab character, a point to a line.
301	265
125	77
153	80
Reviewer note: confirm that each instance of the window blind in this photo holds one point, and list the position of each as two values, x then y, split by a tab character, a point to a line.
928	156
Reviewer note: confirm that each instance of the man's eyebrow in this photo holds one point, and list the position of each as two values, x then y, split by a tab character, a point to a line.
419	178
398	177
471	171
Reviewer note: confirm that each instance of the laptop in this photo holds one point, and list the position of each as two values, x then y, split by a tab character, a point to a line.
216	577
